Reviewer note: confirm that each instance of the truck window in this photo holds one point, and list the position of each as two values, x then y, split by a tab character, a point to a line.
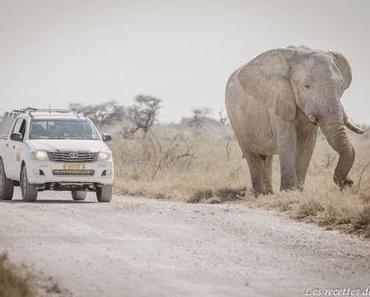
20	126
62	129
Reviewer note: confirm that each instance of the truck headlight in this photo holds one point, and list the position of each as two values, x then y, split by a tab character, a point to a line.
40	155
105	155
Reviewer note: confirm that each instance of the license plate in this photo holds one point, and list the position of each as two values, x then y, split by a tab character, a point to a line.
74	166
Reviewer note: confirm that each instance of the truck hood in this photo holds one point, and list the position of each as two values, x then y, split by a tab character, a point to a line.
52	145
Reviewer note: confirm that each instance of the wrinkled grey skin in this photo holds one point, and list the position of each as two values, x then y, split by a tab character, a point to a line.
276	103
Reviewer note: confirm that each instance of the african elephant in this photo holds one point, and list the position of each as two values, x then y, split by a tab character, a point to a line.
276	103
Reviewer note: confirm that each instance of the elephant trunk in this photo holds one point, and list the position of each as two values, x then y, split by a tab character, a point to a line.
337	137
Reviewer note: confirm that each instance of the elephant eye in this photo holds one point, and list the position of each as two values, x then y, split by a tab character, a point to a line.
307	86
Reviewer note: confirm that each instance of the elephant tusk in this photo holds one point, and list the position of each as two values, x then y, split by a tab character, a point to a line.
354	128
351	126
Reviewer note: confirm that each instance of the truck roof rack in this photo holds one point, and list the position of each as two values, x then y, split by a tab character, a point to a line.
49	110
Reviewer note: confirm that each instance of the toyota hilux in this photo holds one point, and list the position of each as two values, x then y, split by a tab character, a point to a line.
53	150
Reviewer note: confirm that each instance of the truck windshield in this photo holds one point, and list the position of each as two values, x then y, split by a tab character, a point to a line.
62	129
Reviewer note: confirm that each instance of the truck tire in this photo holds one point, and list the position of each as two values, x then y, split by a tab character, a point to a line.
79	195
29	192
104	194
6	185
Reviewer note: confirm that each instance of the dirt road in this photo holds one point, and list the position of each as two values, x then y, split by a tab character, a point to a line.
141	247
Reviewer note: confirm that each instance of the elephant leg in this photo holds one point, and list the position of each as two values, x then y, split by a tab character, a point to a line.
266	173
254	164
306	140
287	141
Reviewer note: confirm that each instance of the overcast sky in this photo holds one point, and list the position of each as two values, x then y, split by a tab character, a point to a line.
60	51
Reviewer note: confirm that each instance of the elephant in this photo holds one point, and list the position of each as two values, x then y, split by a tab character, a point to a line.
276	103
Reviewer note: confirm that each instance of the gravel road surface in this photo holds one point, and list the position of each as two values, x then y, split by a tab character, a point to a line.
142	247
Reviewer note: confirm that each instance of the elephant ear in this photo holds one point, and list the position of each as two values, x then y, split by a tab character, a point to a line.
267	79
344	68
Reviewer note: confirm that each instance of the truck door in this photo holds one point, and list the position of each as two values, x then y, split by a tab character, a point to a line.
6	125
15	149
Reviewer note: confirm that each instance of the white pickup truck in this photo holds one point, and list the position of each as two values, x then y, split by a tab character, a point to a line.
53	150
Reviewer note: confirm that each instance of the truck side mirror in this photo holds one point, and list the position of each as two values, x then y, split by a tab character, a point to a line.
16	136
106	137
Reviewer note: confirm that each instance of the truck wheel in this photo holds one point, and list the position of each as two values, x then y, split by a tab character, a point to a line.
79	195
29	192
104	194
6	185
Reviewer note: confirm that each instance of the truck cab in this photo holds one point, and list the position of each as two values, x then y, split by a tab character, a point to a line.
53	150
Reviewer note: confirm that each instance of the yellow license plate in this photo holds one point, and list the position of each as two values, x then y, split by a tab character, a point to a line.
73	166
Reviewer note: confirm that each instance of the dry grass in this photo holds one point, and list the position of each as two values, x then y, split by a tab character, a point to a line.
176	169
213	171
12	284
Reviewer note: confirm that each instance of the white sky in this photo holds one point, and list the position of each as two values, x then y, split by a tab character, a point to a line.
89	51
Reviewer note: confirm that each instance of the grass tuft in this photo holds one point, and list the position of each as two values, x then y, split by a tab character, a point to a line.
307	208
12	284
362	221
218	196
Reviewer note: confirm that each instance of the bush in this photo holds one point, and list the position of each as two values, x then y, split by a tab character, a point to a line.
11	283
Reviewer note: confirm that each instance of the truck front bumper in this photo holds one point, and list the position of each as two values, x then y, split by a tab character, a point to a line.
59	176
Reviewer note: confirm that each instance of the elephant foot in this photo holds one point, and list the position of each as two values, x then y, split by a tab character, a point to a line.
256	193
291	189
268	192
288	184
262	192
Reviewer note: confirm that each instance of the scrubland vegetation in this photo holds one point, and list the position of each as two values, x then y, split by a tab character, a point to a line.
12	284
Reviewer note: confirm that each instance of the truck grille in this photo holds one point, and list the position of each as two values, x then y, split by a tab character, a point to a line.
73	157
73	172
